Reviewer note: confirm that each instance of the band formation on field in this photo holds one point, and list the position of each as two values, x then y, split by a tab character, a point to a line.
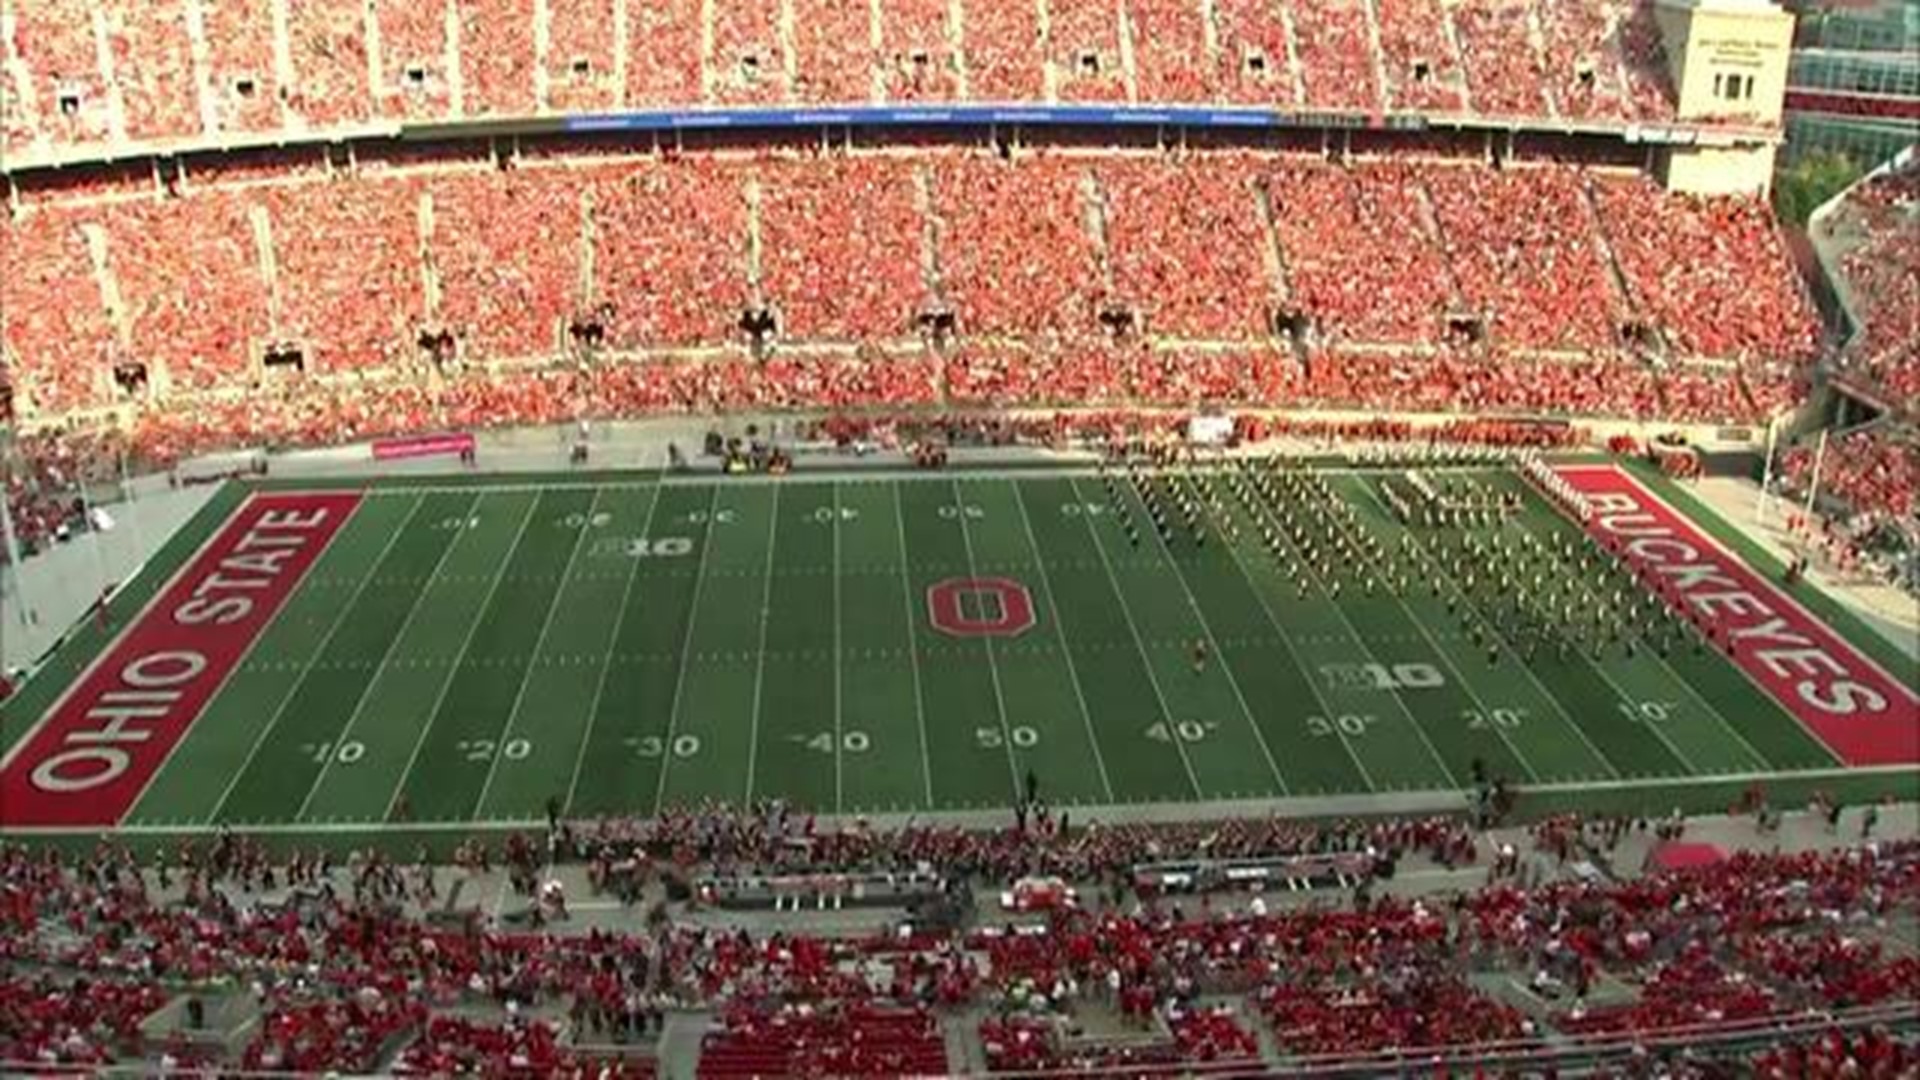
1140	634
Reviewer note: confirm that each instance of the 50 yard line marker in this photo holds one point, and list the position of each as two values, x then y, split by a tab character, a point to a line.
993	665
913	644
1060	629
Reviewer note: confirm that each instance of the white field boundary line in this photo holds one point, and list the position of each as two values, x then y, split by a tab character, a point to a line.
1297	806
606	657
366	691
960	505
1139	645
839	696
1444	657
1213	642
913	644
760	664
267	729
1060	631
1784	599
1327	710
459	658
126	627
686	649
539	646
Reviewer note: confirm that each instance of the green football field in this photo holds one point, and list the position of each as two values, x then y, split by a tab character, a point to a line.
474	651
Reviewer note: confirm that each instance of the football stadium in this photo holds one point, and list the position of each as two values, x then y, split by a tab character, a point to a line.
782	538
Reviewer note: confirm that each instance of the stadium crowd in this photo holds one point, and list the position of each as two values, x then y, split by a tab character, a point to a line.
452	264
1878	226
330	67
346	976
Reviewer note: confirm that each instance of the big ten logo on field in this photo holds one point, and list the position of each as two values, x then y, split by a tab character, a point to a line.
1382	676
980	607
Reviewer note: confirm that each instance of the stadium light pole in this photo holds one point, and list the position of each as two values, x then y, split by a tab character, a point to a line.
1766	473
1813	487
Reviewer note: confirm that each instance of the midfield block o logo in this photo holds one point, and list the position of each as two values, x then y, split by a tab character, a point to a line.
980	607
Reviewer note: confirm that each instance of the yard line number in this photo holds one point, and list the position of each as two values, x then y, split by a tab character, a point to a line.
1501	719
653	746
346	753
1350	725
486	749
853	742
992	738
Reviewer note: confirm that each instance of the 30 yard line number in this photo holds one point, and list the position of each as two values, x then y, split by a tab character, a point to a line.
653	746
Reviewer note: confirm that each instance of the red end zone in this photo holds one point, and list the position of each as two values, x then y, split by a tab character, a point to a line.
92	756
1863	714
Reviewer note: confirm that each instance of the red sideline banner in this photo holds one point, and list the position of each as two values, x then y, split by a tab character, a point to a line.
1862	713
453	442
91	758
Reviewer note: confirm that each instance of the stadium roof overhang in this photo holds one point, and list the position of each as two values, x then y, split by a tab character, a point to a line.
918	117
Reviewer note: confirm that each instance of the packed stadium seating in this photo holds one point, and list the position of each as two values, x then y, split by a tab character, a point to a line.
1879	224
1871	471
346	981
167	78
1114	279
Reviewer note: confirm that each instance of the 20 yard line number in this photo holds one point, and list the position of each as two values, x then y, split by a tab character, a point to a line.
486	749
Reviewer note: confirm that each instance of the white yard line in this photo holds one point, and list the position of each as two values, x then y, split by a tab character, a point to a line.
760	662
453	670
1486	714
1353	632
686	652
366	691
1306	674
1551	698
1193	605
1166	710
1633	699
993	664
539	643
839	720
1060	628
606	658
306	672
913	646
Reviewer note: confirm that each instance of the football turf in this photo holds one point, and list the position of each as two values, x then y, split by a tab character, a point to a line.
477	652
